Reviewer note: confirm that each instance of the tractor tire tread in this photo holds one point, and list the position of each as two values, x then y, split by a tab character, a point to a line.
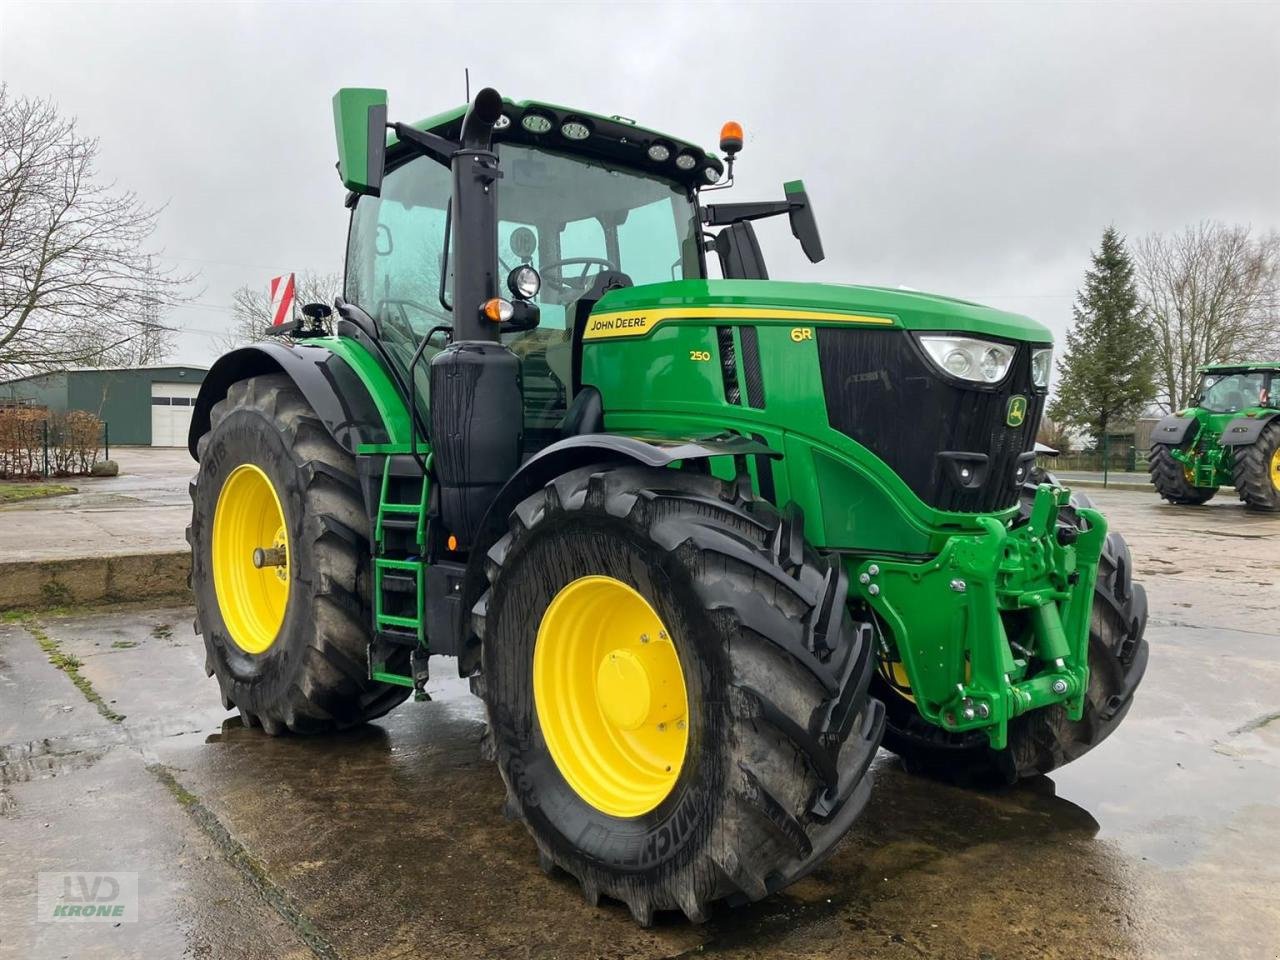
333	690
1251	471
742	553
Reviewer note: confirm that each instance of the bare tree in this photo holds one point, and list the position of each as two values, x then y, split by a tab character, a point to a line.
1212	293
77	286
251	306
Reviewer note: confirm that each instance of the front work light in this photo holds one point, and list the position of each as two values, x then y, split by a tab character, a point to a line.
1041	364
659	153
686	161
968	358
524	282
535	123
573	130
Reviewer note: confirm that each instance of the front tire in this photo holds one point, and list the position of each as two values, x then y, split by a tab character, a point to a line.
1256	470
1172	481
1044	739
780	730
287	644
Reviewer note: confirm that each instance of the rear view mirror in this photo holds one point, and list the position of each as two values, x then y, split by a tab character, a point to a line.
803	226
360	123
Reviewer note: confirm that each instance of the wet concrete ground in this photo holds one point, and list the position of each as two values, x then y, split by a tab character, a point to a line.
389	842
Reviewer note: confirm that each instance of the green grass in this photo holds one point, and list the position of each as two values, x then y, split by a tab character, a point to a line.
12	491
70	665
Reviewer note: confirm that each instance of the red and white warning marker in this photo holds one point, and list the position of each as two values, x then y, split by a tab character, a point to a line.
282	290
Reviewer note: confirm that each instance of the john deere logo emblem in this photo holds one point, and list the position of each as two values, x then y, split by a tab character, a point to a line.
1017	411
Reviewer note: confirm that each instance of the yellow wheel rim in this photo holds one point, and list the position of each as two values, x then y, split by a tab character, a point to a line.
610	696
1275	469
250	559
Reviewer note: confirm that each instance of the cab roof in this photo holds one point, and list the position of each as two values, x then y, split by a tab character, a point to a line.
614	139
1248	367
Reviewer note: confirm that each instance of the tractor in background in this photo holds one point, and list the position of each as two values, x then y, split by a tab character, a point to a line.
700	543
1229	436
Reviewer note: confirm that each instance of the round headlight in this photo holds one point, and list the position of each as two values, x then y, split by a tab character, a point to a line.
686	161
535	123
573	130
712	174
659	153
958	362
502	122
524	282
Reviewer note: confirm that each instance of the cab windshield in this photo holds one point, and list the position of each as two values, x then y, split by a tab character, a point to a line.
569	217
1230	392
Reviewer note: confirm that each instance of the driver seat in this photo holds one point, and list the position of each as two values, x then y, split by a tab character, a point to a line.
606	280
585	413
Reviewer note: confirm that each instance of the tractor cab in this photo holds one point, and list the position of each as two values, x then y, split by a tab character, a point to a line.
571	221
1234	388
584	204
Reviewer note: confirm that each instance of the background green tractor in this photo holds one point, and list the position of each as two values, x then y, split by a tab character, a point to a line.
698	543
1231	435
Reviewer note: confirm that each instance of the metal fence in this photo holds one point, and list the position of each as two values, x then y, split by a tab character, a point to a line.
1126	460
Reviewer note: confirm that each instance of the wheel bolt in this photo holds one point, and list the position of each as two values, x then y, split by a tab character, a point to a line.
1059	687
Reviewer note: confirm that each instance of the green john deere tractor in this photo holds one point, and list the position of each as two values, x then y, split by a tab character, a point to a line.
1229	435
698	543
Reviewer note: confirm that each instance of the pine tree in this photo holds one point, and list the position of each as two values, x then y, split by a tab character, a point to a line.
1108	369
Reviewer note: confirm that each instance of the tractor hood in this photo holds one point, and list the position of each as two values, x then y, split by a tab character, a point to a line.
905	309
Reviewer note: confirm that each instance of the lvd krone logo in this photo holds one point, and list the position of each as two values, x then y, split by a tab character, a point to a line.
111	897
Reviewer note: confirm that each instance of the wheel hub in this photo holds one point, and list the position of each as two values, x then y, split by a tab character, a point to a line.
610	696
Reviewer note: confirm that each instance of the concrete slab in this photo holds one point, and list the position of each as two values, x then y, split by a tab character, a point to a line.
144	510
389	841
76	796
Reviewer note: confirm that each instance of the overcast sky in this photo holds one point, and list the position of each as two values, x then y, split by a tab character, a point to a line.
971	149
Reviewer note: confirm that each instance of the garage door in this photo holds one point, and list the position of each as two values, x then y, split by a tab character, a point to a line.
171	407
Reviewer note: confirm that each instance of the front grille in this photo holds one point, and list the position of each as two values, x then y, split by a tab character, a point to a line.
949	442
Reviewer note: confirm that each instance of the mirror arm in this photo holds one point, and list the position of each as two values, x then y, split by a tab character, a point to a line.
724	214
436	147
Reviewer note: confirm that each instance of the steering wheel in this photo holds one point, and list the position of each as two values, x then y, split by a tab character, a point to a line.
553	273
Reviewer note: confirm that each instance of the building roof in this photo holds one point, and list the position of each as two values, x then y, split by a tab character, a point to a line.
145	366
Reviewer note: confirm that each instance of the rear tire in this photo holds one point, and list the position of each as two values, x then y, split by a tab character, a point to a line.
1045	739
313	677
1169	477
780	728
1256	470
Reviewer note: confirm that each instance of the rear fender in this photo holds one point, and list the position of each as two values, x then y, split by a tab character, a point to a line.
1244	431
331	386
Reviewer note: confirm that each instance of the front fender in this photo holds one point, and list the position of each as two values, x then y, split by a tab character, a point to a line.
606	449
1244	431
335	391
1174	429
